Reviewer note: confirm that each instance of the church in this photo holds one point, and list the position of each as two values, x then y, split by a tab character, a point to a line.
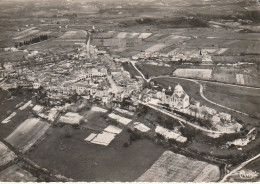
175	99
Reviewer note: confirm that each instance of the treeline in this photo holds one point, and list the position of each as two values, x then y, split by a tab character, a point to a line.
32	40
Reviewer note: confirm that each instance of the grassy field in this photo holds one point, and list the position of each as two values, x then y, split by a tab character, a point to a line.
11	57
15	173
243	99
82	161
152	70
10	107
27	134
6	155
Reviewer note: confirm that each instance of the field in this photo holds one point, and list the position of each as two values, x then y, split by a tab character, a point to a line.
11	56
75	158
171	167
6	155
15	173
243	99
153	71
74	35
10	107
27	134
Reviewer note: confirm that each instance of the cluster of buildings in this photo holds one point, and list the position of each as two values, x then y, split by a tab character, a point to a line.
179	101
87	72
175	55
95	75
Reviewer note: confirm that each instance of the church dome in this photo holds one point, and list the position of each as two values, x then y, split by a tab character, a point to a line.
178	88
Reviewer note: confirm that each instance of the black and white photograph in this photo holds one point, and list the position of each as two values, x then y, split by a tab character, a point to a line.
130	91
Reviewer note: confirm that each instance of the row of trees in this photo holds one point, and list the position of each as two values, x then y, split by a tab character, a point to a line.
32	40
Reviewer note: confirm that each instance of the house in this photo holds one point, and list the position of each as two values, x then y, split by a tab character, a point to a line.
36	85
225	116
177	99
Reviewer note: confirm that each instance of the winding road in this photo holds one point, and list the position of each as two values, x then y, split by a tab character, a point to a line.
239	167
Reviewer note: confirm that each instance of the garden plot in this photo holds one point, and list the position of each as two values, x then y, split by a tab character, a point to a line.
141	127
37	108
168	134
26	105
15	173
124	111
106	137
171	167
144	35
6	120
240	79
113	129
122	120
71	118
6	155
98	109
27	134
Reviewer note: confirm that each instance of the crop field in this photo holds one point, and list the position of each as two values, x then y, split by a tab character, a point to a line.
65	155
248	80
224	77
74	35
29	34
174	39
246	46
53	45
6	155
15	173
156	47
171	167
242	99
10	107
152	70
27	134
193	73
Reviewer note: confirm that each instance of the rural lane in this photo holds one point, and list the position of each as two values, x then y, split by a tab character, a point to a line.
240	167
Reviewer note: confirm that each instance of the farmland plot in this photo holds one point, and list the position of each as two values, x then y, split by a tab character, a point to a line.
171	167
6	155
15	173
31	33
156	47
74	35
27	134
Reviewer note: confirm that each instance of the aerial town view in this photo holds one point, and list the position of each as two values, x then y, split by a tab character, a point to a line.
130	91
